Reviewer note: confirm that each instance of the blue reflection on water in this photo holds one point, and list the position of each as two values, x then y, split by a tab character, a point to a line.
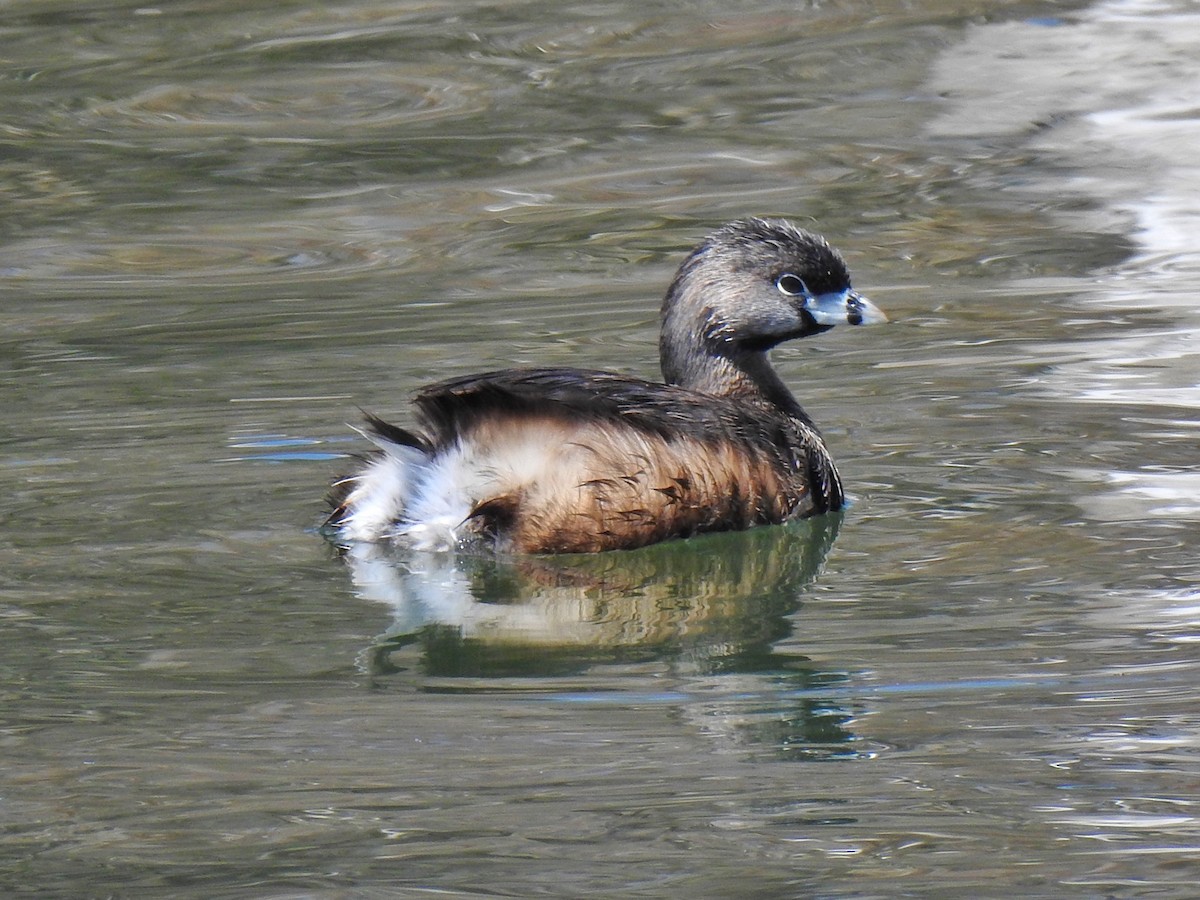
269	441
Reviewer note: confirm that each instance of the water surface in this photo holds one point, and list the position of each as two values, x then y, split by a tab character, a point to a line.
228	228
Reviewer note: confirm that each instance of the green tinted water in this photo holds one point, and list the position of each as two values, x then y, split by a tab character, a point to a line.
227	228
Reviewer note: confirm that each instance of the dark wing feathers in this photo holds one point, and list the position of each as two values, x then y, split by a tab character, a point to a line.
450	407
394	433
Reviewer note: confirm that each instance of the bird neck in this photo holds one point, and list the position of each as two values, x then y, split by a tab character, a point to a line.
741	375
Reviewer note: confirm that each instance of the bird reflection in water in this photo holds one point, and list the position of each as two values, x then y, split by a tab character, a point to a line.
714	605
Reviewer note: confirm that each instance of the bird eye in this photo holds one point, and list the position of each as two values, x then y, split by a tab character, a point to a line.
791	285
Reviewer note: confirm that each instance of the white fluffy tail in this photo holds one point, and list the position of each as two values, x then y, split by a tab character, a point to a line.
375	507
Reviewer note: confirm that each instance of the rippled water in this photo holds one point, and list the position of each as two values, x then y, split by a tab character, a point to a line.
227	228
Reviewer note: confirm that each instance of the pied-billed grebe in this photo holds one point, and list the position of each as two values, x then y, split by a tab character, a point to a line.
569	460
